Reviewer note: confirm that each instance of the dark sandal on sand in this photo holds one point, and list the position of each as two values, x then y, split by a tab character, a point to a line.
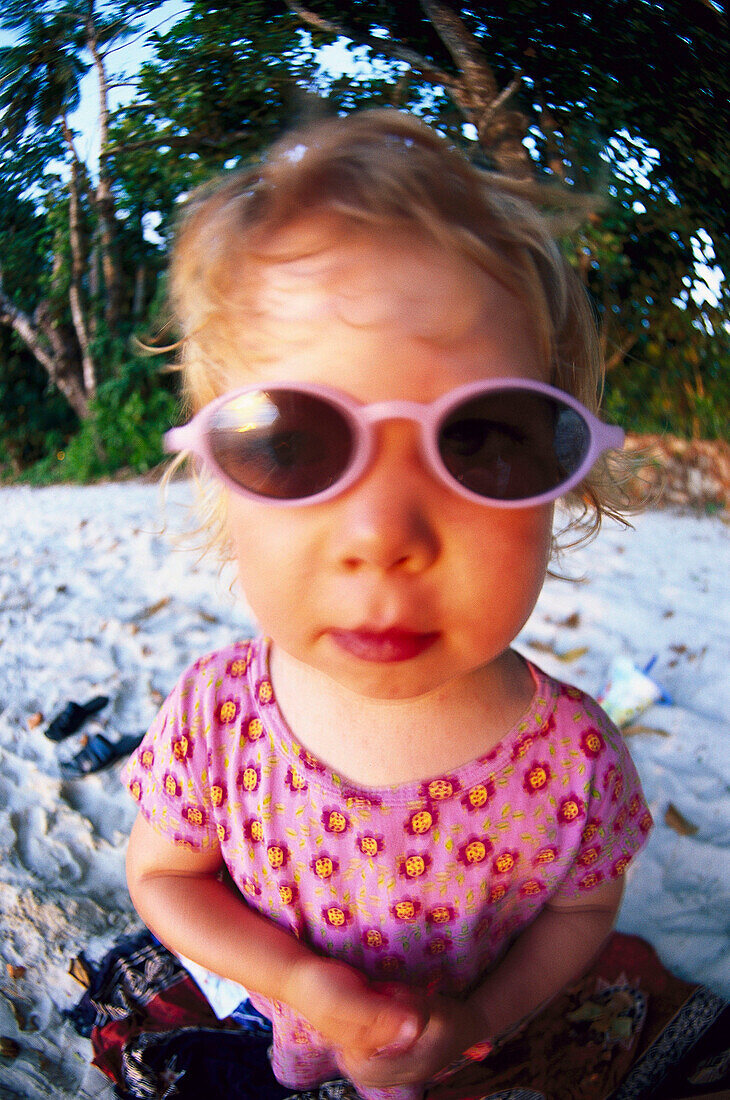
73	716
98	754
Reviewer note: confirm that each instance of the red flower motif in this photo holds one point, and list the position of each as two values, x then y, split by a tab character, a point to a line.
250	886
571	809
227	711
253	729
591	880
374	939
238	666
571	692
370	845
390	964
537	777
505	862
619	867
414	864
497	891
478	796
171	785
591	830
592	743
407	909
618	789
589	856
294	781
195	816
249	777
441	914
218	794
181	747
421	821
619	823
545	856
253	830
135	789
311	762
438	946
360	800
324	865
635	804
609	776
337	916
277	854
475	850
288	892
265	692
146	758
222	832
335	821
547	727
438	790
532	888
645	822
523	745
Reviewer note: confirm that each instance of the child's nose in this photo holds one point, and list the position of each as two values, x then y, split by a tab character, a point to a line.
389	519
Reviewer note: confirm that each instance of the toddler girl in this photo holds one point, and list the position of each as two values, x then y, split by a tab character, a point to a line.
424	836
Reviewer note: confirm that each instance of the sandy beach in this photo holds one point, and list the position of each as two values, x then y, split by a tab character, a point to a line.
96	599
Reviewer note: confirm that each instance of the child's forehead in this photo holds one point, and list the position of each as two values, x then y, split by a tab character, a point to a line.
366	276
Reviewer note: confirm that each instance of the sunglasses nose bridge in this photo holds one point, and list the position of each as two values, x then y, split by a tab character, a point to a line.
395	410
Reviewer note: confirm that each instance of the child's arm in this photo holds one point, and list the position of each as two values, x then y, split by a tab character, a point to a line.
179	896
556	948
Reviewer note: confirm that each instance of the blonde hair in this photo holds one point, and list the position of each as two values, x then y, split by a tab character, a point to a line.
384	169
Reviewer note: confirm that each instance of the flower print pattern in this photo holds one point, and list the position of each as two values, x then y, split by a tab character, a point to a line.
324	865
474	851
422	821
438	790
370	845
335	820
414	865
422	882
592	743
537	777
479	795
227	711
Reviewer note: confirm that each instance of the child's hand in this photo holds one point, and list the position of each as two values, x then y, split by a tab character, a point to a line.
450	1029
357	1017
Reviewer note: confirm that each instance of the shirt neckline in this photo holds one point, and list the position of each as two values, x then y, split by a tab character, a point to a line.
535	717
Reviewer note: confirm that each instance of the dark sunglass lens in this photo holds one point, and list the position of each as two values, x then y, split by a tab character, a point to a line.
281	444
513	444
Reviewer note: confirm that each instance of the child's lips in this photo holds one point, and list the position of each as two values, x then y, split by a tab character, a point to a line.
385	646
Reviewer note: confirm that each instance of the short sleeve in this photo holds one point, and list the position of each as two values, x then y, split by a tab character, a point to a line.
166	775
616	820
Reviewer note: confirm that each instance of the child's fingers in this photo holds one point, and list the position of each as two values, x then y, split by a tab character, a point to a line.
392	1023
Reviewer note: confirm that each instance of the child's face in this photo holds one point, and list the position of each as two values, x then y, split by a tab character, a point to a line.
398	586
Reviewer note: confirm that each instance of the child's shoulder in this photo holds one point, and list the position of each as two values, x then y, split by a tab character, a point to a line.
219	669
574	709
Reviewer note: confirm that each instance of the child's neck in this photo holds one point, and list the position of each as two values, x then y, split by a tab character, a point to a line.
376	742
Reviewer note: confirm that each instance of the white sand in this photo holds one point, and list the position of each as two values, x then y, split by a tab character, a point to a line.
81	569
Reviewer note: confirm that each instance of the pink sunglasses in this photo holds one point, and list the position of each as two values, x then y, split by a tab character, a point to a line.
510	443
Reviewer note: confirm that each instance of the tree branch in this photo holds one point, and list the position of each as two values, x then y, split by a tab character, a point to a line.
180	141
393	50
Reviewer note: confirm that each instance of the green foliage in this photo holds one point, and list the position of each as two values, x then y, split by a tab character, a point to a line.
123	433
622	100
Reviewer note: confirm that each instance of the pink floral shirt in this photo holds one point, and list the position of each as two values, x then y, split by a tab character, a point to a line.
424	882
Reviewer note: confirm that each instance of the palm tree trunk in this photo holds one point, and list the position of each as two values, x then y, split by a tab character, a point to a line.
104	197
77	269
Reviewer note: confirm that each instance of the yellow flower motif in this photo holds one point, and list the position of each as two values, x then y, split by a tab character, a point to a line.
337	822
250	779
421	822
415	866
